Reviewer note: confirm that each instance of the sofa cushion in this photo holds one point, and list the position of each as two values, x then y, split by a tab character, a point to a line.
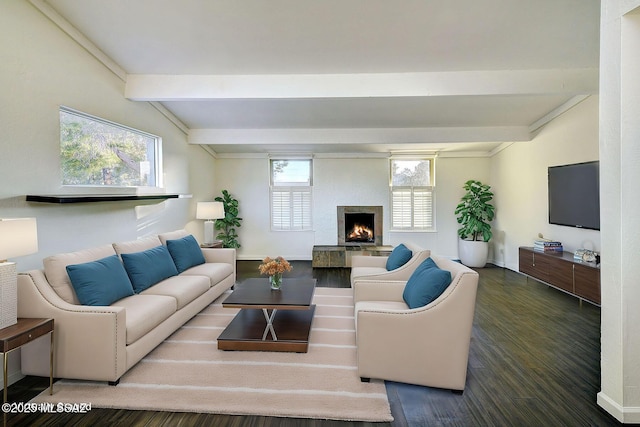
183	288
138	245
148	267
100	282
399	256
215	271
172	235
185	252
56	272
426	284
145	312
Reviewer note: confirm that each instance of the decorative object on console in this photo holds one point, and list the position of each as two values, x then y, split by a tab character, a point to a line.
546	245
585	255
274	269
229	221
474	214
209	211
18	237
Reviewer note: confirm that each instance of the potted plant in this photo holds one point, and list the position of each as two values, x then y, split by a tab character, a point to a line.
228	224
474	214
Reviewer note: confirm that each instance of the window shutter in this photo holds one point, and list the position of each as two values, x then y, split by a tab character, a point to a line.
412	208
423	208
401	208
291	208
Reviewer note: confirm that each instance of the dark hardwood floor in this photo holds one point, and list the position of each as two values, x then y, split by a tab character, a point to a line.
534	361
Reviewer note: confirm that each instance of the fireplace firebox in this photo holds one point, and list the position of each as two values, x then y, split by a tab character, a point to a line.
359	225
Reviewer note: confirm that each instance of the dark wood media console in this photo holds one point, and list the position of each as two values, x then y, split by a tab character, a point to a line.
581	279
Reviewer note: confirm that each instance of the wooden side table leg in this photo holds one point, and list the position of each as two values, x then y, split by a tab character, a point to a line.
51	366
4	377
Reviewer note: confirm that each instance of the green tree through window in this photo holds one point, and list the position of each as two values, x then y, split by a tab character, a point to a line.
97	152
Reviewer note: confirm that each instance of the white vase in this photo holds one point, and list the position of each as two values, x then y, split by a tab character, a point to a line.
473	253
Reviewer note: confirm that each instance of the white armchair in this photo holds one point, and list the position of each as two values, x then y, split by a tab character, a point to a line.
427	345
374	267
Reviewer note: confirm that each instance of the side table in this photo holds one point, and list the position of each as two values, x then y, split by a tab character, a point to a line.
23	332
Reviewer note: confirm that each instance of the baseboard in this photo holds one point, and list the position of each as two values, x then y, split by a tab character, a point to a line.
12	378
261	257
626	415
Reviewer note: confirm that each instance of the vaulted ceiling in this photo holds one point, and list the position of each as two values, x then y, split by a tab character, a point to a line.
346	76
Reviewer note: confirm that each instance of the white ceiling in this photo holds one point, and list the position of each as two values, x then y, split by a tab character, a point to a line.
341	76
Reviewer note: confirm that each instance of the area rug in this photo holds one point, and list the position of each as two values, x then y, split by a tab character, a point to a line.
187	373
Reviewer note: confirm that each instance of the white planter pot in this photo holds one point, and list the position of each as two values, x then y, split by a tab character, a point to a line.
473	253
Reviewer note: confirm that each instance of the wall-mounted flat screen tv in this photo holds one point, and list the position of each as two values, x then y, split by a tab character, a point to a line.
574	195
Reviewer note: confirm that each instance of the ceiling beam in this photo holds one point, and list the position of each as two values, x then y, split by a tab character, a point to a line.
152	87
358	136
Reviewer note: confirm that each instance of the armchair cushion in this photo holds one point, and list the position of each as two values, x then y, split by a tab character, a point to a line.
186	253
100	282
398	257
426	284
149	267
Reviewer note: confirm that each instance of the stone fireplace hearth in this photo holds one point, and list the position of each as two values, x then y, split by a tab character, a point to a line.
359	225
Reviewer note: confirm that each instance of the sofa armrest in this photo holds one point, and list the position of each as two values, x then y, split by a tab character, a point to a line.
227	255
89	341
376	290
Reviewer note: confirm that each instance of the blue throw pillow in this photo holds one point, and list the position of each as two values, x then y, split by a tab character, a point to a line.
186	253
100	282
400	255
426	284
148	267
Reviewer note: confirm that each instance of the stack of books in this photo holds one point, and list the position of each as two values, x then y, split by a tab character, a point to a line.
545	245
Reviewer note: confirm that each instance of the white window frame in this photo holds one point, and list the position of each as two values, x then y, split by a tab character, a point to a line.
291	203
408	198
156	165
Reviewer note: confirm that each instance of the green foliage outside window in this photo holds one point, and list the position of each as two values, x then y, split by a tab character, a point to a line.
96	152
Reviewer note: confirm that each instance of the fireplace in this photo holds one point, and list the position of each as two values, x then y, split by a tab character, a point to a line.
359	225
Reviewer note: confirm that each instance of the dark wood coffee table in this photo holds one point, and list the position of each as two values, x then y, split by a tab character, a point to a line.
270	320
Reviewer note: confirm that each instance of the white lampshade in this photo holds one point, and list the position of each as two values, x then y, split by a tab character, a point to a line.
18	237
210	210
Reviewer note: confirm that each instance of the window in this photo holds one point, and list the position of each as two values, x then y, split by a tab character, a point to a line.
412	194
94	151
291	183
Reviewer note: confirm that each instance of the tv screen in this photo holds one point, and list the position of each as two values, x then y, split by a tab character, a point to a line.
574	195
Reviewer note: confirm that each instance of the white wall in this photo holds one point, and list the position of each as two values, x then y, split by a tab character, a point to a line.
339	181
620	200
41	69
519	179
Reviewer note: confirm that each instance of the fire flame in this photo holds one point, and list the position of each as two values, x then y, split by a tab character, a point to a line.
360	232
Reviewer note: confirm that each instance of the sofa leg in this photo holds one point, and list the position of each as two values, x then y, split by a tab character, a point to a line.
365	380
457	391
114	383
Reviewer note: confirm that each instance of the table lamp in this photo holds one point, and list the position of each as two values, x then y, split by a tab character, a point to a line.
209	211
18	237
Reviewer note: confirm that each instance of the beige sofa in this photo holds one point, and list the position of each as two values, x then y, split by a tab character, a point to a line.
427	345
101	343
374	267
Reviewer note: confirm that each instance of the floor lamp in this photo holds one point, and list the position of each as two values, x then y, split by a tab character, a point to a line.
209	211
18	237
